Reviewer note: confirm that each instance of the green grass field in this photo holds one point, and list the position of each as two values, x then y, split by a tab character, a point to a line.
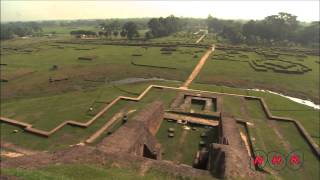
237	72
264	137
51	117
28	96
183	147
28	74
279	106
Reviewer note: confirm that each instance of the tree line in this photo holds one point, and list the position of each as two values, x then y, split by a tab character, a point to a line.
126	28
10	30
164	26
115	28
158	27
282	29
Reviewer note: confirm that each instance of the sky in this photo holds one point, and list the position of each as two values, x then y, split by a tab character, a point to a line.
32	10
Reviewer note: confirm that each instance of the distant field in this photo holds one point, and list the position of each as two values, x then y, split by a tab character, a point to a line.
179	37
28	72
234	69
65	30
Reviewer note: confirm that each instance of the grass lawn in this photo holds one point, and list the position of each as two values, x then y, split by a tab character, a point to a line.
232	105
307	116
49	111
310	168
30	97
68	135
279	106
240	74
75	107
28	73
264	137
262	134
183	146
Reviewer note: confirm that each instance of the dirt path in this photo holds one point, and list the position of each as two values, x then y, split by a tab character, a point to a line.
200	39
197	69
116	117
17	149
10	154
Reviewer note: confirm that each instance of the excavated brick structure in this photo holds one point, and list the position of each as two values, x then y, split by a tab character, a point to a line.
137	136
182	103
229	158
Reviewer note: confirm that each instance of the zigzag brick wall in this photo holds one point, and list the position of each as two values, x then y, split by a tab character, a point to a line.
28	127
301	129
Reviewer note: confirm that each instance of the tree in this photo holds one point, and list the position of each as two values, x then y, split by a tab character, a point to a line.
216	25
130	29
116	33
101	33
123	33
115	25
279	28
249	29
309	35
164	26
106	34
108	30
9	30
232	33
6	32
148	35
82	32
155	27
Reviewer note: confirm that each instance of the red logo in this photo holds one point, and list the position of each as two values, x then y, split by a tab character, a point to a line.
259	160
295	160
276	160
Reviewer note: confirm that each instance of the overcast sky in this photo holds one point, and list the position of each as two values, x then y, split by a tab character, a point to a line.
52	10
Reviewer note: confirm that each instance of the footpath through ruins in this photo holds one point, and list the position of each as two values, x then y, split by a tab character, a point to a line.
198	68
